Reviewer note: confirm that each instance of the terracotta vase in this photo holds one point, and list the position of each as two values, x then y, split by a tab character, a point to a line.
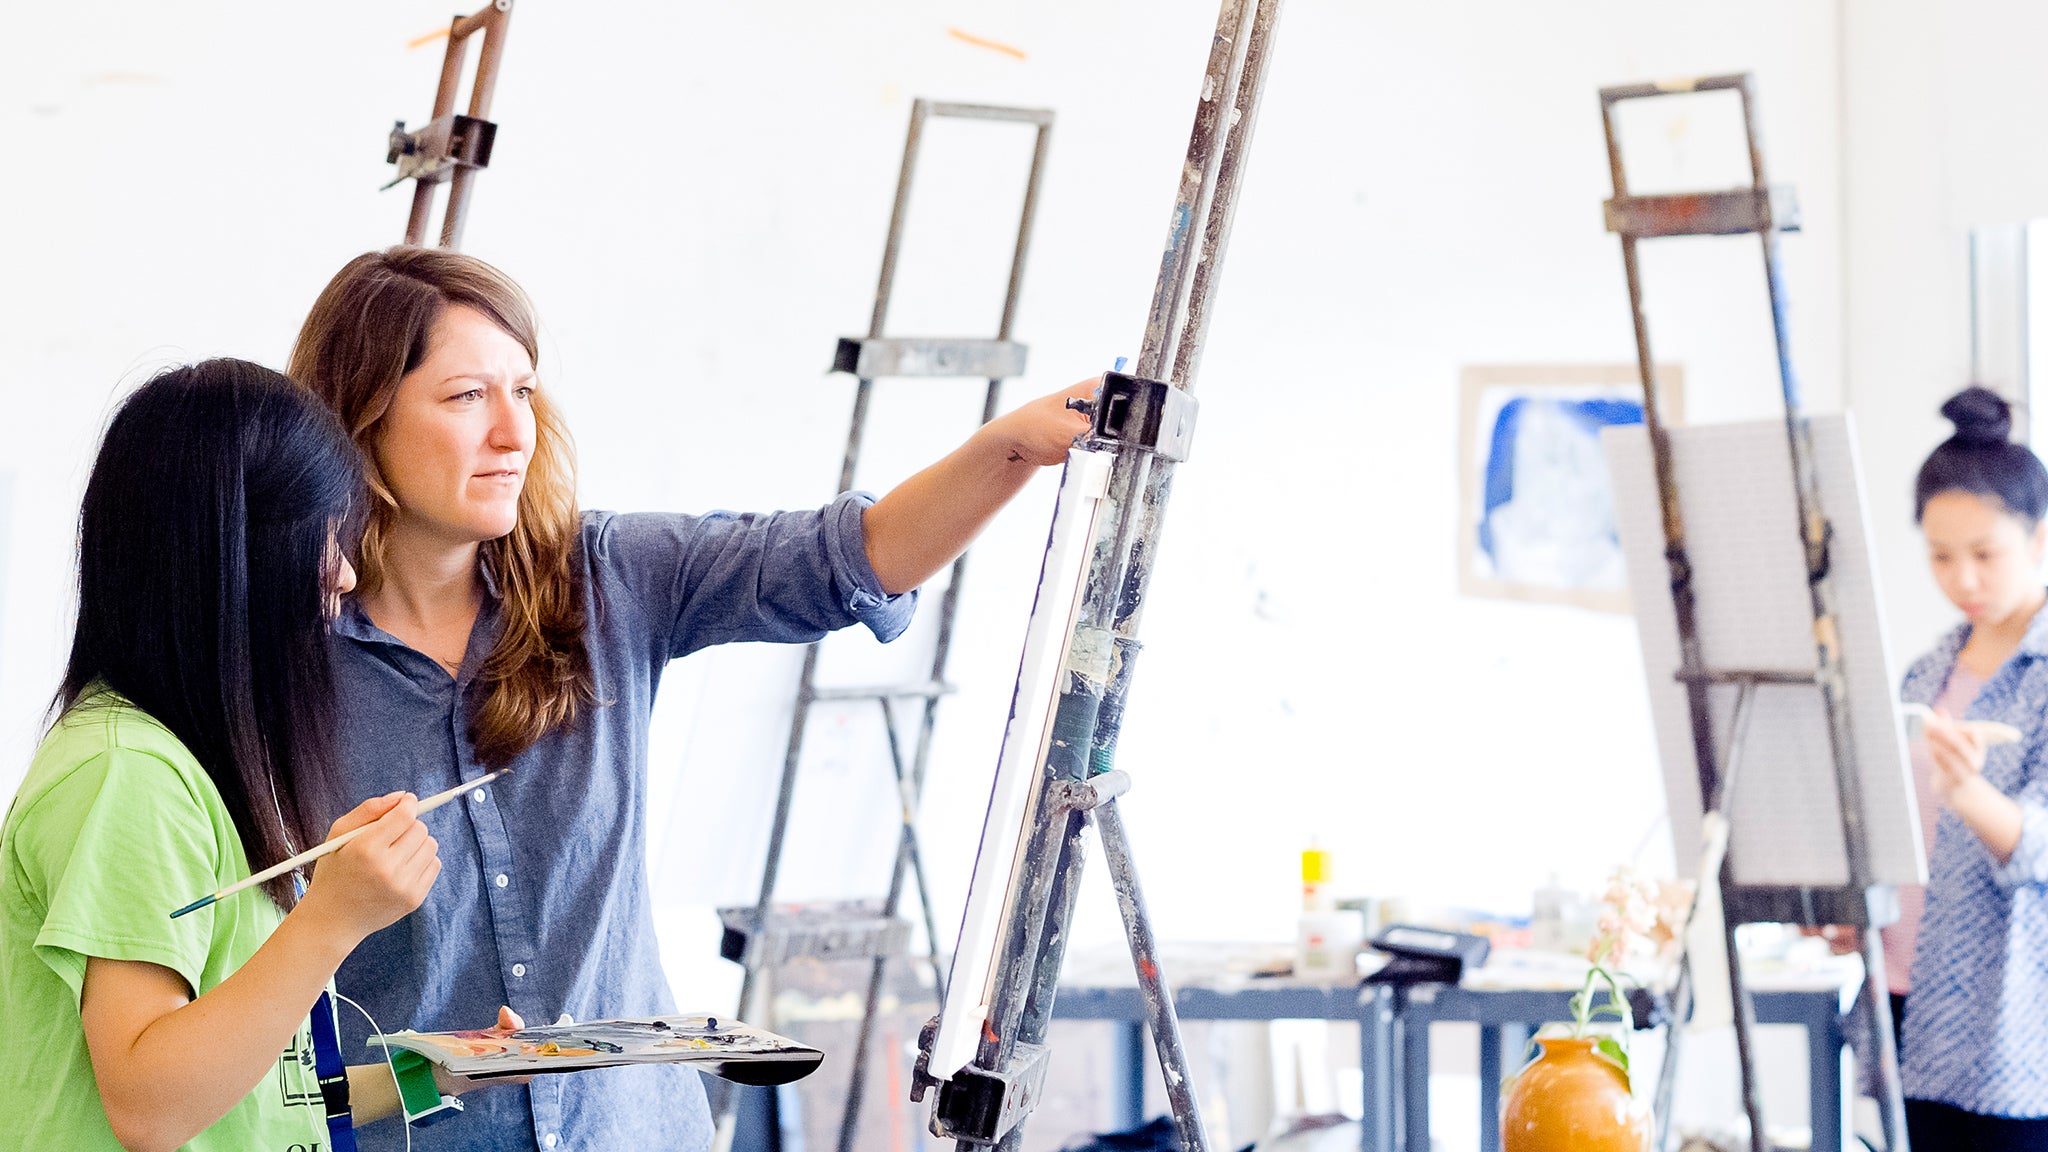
1570	1099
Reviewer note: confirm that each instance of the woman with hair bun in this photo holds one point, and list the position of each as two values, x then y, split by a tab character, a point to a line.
1975	1052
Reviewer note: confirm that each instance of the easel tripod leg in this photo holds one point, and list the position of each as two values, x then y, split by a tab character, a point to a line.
910	788
1745	1040
1165	1023
908	858
1891	1097
1044	941
1674	1043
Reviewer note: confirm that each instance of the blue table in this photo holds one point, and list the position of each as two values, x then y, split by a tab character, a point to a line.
1373	1007
1506	1018
1394	1038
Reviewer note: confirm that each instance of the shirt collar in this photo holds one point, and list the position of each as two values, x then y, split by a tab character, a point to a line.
490	578
2036	639
354	624
1951	645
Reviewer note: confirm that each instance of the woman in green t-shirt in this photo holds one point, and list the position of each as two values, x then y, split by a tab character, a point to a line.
193	737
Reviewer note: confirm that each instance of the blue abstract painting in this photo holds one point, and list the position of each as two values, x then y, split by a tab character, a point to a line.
1541	505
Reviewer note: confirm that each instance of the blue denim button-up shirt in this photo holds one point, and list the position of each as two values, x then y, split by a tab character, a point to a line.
1977	1018
542	902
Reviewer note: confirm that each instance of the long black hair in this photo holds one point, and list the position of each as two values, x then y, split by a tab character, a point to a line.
206	561
1982	459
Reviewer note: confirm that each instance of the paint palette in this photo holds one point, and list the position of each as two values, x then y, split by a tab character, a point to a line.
724	1048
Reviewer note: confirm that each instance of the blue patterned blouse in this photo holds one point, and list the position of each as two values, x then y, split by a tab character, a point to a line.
1977	1019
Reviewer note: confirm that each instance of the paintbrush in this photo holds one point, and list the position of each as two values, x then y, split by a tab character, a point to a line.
319	850
1991	732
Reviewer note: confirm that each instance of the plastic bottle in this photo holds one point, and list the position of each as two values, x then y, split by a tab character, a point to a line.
1547	913
1327	939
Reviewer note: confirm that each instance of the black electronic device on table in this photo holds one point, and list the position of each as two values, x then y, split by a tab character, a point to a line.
1426	955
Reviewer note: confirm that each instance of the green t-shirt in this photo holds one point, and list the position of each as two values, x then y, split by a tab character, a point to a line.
115	825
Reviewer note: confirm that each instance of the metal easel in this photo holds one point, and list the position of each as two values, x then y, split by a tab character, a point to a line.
452	147
1145	421
860	929
1764	211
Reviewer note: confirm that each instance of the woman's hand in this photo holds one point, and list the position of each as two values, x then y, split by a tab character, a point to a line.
1040	432
373	1095
380	875
1957	752
453	1085
508	1021
168	1065
1958	755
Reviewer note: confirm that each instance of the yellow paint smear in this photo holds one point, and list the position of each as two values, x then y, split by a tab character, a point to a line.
429	38
1010	50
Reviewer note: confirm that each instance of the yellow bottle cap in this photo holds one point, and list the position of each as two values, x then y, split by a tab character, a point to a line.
1315	866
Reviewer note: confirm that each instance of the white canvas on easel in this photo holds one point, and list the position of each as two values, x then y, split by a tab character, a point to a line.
970	989
1754	612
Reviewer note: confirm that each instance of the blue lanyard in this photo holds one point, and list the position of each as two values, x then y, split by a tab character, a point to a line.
341	1127
328	1066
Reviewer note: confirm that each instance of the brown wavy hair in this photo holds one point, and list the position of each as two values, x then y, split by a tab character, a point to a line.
373	323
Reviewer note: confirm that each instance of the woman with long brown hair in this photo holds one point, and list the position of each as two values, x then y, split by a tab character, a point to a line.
496	624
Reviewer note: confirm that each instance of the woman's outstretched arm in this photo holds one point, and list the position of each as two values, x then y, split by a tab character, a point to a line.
930	518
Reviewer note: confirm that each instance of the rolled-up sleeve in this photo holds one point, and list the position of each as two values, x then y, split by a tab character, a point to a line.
2029	861
846	547
786	577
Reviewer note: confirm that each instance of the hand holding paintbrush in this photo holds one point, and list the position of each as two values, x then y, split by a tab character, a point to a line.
400	845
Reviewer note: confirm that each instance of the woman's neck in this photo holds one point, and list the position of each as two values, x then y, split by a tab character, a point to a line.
425	584
1993	642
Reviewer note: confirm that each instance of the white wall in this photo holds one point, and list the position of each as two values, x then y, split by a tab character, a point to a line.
1906	264
698	208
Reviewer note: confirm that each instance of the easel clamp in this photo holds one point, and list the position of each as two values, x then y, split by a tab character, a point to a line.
1090	794
1139	413
432	154
978	1106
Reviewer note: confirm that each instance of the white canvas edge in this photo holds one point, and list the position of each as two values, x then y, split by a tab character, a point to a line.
1046	644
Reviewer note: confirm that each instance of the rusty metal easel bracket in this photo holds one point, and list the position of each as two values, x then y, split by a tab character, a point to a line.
451	148
1729	213
434	153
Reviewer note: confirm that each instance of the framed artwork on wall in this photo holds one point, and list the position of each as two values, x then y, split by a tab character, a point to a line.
1535	503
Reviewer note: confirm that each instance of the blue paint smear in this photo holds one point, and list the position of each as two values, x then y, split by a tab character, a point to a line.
1592	415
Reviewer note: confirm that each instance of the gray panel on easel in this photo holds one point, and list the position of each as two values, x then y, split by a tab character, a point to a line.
1754	613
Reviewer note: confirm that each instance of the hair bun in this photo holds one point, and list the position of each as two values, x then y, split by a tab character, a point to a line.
1980	415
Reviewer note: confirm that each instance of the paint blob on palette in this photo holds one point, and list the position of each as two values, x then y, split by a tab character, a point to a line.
721	1047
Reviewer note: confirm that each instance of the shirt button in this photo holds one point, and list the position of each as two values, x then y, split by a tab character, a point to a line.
520	970
551	1140
503	879
477	795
